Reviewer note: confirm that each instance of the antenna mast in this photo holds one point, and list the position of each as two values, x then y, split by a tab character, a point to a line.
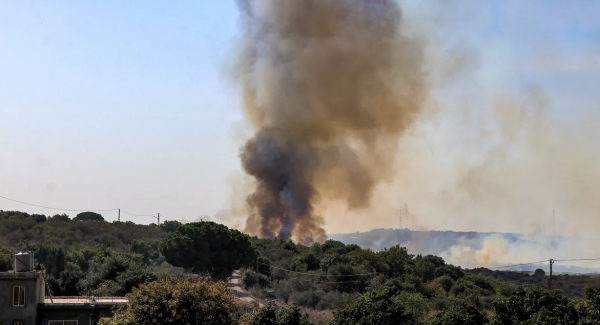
400	220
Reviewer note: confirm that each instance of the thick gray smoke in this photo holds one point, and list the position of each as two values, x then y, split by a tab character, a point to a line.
329	86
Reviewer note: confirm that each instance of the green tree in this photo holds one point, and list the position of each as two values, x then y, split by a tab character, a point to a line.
535	306
589	309
52	257
397	260
374	308
177	301
144	249
170	225
288	315
208	247
460	313
264	316
88	216
60	217
291	315
415	303
6	262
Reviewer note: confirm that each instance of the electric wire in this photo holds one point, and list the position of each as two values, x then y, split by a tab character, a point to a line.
59	209
513	265
578	259
139	215
313	274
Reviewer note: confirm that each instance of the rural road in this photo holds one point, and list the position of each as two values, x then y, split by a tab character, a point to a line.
236	285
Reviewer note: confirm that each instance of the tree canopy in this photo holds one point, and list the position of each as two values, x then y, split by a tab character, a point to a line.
208	247
88	216
374	308
174	301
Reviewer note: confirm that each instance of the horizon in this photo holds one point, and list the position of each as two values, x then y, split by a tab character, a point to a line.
131	106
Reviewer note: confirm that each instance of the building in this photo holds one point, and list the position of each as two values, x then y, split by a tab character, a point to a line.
20	294
23	301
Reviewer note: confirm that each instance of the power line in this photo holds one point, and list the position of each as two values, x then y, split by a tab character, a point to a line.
45	207
139	215
505	266
578	259
313	274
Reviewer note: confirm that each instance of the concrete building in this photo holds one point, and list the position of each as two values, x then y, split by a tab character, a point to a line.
20	294
23	301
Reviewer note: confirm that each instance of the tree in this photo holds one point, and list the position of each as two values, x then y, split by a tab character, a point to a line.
415	303
288	315
264	316
460	313
374	308
534	306
53	259
539	273
6	262
177	301
144	249
60	217
208	247
291	315
170	225
88	216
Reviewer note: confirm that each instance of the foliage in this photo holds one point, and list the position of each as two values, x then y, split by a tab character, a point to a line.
268	315
88	216
374	308
52	257
460	314
415	303
177	301
535	306
249	279
208	247
6	262
170	225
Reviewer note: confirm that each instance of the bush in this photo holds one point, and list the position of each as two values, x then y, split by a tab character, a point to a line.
288	315
374	308
414	303
334	300
6	262
460	314
249	279
177	301
309	298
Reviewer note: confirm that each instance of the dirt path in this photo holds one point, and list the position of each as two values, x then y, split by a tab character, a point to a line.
236	285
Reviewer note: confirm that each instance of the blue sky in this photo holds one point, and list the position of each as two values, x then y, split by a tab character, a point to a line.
125	104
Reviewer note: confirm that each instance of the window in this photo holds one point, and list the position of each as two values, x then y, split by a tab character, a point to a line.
18	298
62	322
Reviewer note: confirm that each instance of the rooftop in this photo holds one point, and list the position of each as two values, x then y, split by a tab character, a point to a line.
15	275
83	300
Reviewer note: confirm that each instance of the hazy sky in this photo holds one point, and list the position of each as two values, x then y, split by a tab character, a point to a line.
125	104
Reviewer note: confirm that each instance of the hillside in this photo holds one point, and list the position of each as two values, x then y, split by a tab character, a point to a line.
484	249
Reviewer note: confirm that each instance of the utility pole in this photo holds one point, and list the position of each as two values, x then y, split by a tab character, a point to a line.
550	279
159	219
119	217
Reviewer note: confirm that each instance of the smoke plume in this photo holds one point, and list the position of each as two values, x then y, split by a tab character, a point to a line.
329	87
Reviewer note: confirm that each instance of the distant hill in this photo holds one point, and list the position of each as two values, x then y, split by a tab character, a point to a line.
484	249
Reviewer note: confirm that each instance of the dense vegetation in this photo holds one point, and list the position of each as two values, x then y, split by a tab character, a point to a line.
87	256
177	301
391	286
208	247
